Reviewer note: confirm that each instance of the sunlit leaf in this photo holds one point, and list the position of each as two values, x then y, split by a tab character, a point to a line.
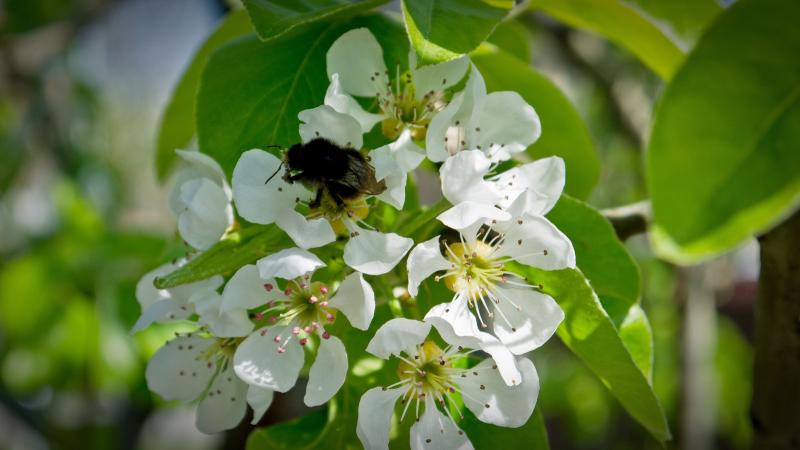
231	253
589	332
723	157
442	29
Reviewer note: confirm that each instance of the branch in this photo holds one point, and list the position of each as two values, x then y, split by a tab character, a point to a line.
629	220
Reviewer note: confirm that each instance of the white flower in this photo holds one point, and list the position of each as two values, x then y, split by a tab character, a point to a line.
272	356
173	304
432	378
367	251
196	368
472	263
392	164
406	102
201	200
499	124
464	179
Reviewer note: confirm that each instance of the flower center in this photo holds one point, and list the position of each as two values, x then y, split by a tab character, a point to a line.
337	213
474	269
428	374
305	309
403	110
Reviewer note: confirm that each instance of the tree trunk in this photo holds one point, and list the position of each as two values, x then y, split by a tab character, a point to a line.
775	410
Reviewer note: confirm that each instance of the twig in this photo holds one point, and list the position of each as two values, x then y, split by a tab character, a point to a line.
629	220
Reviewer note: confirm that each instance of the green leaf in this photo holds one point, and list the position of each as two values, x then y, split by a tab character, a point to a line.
243	106
682	19
602	258
621	24
177	124
442	29
513	38
274	18
637	335
300	433
723	156
563	131
237	249
486	436
589	332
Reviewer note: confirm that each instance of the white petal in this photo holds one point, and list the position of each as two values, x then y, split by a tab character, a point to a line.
259	399
235	323
375	411
435	431
536	242
147	293
523	202
508	406
401	155
258	362
462	179
435	144
246	290
395	193
423	261
256	200
457	326
328	372
532	324
373	252
503	124
225	404
323	121
357	57
206	214
356	299
466	215
178	372
304	232
398	335
438	77
288	264
205	165
162	312
338	99
545	176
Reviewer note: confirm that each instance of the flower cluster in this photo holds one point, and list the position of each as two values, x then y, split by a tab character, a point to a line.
255	327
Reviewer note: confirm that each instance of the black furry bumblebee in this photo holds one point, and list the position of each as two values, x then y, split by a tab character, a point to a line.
343	173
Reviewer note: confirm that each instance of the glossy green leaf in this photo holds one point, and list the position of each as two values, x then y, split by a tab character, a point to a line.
229	254
513	38
563	131
485	436
301	433
252	105
621	24
683	20
637	335
442	29
178	124
273	18
602	258
723	157
589	332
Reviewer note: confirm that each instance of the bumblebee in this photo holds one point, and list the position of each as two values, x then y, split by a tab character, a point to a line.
343	173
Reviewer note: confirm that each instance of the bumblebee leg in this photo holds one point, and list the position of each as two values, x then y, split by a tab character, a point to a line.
317	200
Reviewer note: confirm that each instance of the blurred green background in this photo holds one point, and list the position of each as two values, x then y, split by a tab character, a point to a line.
82	217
